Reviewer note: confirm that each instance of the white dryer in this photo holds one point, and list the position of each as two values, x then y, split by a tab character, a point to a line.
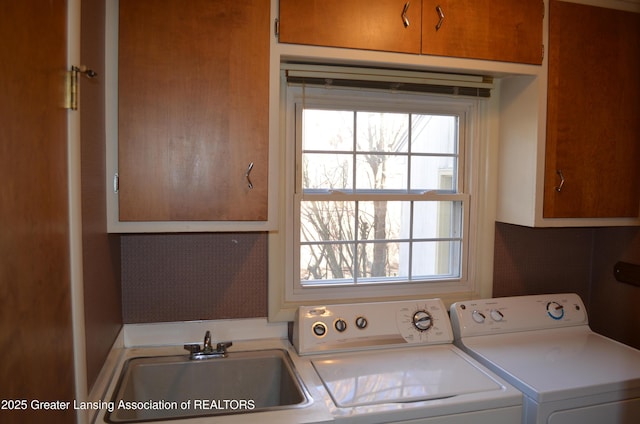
395	362
544	346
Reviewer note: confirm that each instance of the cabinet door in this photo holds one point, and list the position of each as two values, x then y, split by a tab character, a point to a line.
193	81
359	24
34	213
504	30
593	125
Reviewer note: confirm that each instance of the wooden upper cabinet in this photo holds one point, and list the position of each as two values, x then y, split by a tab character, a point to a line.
193	101
593	124
358	24
503	30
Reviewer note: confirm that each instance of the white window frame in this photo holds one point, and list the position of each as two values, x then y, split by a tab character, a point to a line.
285	294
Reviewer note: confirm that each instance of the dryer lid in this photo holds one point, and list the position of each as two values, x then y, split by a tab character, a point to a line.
556	364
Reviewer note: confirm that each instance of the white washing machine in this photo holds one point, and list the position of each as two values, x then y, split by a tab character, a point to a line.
543	346
395	362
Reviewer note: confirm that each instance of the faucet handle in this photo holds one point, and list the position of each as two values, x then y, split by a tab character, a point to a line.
222	346
192	348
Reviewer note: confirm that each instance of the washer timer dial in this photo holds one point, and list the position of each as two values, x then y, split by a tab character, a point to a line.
422	320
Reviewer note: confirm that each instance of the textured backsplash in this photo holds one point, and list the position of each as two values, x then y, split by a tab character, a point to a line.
542	260
184	277
580	260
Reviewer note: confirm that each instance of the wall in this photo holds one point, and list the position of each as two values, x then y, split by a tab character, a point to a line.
580	260
614	305
183	277
542	260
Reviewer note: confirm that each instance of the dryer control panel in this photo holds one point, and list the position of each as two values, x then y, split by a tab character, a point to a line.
520	313
361	326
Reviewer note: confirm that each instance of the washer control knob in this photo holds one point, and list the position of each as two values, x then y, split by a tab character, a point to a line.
361	322
340	325
422	320
555	310
478	317
319	329
496	315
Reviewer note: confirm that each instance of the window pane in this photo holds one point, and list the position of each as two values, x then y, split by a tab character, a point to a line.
382	220
437	220
436	259
327	221
326	262
381	172
434	134
382	132
432	172
327	171
381	261
327	130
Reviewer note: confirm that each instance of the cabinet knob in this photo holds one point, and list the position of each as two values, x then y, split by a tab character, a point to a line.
559	187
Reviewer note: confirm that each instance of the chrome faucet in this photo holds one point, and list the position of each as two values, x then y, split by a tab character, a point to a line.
206	346
207	351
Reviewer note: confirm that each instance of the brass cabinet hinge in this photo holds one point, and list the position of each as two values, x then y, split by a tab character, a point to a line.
71	85
276	27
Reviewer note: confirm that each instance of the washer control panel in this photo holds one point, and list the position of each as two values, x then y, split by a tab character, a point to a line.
360	326
520	313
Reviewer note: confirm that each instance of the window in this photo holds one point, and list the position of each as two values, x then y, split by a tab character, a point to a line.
378	197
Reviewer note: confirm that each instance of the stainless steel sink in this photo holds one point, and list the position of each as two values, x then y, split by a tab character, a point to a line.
169	387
